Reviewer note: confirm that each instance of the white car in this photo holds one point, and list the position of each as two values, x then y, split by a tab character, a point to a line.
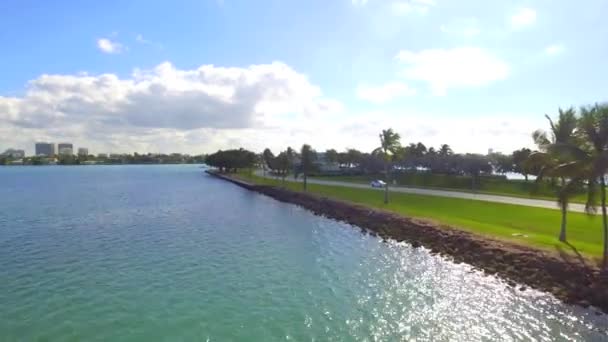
378	184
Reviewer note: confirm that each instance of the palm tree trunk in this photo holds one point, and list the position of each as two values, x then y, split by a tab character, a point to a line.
387	180
605	222
562	233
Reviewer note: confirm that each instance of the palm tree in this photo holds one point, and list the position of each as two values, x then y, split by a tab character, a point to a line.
445	150
555	162
389	143
331	155
573	174
594	129
353	157
307	163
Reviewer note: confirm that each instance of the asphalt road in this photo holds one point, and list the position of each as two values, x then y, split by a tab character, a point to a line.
576	207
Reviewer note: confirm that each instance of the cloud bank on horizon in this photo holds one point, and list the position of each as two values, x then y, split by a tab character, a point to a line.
434	73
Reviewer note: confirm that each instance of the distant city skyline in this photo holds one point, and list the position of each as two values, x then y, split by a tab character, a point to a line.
53	149
472	74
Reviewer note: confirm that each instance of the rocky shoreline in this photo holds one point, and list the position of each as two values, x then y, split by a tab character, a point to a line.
568	278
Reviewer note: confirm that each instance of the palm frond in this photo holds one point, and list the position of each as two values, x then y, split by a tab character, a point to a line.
569	150
540	138
573	170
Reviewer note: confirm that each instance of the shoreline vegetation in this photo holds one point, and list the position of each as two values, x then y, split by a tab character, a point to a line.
572	278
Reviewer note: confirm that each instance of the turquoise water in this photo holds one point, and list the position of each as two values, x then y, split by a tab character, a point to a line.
166	253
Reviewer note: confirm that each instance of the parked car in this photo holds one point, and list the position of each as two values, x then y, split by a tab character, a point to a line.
378	184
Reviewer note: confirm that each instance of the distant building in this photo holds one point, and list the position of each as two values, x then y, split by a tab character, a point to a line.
45	149
13	153
83	152
325	165
65	149
102	155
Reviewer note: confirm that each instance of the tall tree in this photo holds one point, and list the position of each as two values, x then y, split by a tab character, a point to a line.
502	163
556	160
474	165
308	157
520	164
354	157
283	165
594	129
389	143
285	162
331	155
268	160
445	150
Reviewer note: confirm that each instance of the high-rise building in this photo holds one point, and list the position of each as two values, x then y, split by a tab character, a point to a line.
83	152
45	149
65	148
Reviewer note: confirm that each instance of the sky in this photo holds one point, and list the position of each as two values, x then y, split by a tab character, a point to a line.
194	76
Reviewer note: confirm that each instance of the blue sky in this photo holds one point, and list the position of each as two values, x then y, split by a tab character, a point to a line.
126	76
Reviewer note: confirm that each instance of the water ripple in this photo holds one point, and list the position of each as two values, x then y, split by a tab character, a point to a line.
165	253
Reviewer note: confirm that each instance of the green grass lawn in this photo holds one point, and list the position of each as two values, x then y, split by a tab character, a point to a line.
513	188
496	220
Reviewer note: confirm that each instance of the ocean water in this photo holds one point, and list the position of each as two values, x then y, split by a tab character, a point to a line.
167	253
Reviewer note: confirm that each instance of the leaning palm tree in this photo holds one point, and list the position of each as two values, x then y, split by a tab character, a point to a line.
389	144
554	163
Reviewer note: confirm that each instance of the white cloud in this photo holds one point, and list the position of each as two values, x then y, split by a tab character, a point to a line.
412	6
554	49
166	105
503	132
359	2
384	93
443	69
140	39
523	18
402	7
108	46
462	27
